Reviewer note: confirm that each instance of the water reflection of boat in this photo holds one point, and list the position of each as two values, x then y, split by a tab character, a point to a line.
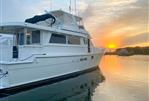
79	88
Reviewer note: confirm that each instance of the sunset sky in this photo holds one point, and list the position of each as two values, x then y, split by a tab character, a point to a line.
115	23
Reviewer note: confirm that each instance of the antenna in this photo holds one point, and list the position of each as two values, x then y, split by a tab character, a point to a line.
51	5
70	7
75	6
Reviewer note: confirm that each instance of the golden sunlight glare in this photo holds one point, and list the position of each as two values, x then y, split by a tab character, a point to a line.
111	46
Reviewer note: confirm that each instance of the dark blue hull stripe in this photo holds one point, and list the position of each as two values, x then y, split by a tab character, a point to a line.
28	86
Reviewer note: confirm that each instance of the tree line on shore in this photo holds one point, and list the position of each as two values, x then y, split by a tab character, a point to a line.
127	51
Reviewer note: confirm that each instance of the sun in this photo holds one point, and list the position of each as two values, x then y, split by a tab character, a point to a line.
111	46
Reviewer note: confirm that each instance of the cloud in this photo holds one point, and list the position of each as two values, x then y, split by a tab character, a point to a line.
136	39
120	2
82	6
111	19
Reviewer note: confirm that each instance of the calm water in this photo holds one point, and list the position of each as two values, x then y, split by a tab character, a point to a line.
126	80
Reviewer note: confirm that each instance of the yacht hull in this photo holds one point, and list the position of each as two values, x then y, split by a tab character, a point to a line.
46	70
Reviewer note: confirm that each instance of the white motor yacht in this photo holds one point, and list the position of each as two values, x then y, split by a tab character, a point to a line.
45	48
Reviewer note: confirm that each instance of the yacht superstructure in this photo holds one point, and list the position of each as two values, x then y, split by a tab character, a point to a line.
45	47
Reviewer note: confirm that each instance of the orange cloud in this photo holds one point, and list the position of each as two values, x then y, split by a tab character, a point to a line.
117	22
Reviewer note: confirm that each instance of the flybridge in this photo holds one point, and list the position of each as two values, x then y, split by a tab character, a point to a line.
59	19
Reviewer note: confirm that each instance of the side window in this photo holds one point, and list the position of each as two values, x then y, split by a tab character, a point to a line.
74	40
35	37
28	39
57	38
85	41
20	39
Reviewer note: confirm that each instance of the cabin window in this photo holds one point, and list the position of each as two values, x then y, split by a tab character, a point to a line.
85	41
57	38
28	39
35	37
74	40
20	38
